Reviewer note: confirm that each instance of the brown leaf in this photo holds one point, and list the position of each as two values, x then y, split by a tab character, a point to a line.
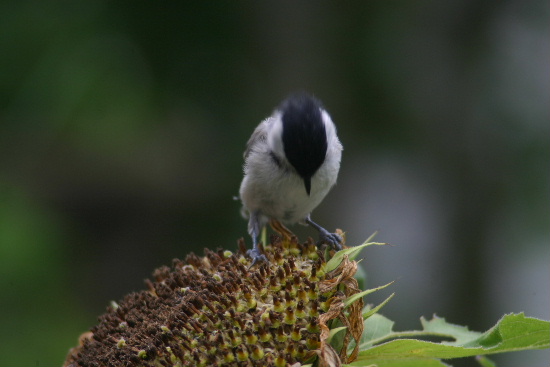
350	317
328	356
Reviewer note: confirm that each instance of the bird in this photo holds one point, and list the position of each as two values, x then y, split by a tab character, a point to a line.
291	162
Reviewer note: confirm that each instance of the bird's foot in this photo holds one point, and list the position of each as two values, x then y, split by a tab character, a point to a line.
334	240
257	257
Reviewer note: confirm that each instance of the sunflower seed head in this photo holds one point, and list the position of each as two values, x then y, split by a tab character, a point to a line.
217	311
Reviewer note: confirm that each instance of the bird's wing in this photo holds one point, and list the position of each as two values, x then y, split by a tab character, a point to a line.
259	135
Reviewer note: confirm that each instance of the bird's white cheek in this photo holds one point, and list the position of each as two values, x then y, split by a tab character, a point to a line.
275	136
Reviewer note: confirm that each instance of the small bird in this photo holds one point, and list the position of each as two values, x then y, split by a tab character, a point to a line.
292	161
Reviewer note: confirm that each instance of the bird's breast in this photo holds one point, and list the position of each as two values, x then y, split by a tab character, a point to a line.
281	194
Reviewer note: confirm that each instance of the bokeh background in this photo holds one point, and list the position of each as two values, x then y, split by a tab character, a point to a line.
122	127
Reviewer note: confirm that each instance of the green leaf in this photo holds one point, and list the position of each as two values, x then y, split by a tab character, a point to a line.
375	327
424	362
516	332
335	331
513	332
337	338
371	237
348	301
352	253
361	276
439	327
371	312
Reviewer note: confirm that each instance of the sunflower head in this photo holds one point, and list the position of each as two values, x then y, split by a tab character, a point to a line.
216	310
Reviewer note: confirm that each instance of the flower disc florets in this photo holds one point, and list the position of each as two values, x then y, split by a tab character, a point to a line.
217	311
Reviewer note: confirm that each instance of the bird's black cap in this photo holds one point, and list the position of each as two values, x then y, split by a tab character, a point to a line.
304	135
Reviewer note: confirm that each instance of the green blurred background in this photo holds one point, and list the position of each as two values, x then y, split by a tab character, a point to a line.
122	126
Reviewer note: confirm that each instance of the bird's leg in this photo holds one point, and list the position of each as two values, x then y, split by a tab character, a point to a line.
334	240
281	229
254	229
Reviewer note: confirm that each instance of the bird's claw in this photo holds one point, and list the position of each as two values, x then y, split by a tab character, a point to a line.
334	240
257	257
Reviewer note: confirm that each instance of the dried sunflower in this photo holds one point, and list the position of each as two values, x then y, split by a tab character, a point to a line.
216	310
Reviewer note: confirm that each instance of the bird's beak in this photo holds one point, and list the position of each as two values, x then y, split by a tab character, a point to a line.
307	182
